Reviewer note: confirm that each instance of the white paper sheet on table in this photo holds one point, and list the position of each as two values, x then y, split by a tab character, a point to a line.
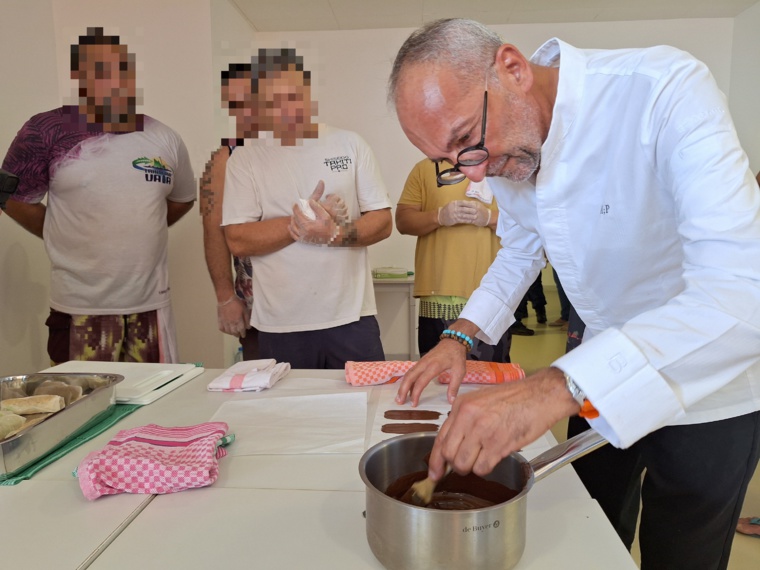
432	399
326	423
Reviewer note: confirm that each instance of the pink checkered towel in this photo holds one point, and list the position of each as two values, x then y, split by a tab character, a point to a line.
155	460
390	371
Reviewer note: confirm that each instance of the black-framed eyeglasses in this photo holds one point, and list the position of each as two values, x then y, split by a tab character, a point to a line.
469	156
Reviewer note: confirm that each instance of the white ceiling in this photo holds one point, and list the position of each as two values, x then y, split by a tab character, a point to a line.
302	15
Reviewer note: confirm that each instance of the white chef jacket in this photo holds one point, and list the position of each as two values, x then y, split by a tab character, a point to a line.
646	207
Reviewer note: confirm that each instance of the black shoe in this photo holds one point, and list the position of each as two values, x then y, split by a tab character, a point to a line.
541	316
520	329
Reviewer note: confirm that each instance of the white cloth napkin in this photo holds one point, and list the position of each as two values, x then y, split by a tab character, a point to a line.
250	376
480	190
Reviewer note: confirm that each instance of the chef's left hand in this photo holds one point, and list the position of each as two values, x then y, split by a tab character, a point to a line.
448	355
487	425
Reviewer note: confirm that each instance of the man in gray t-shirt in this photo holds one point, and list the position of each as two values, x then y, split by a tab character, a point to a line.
114	180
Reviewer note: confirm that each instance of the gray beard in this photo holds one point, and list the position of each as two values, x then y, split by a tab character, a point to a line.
528	164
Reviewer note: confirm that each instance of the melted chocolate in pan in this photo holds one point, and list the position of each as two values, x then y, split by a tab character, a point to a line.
454	492
408	428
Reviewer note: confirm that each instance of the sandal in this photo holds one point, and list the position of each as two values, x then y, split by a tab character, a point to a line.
749	526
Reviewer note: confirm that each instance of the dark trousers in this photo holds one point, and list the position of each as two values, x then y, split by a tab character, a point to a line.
250	344
326	348
429	333
535	295
692	492
575	329
564	302
693	488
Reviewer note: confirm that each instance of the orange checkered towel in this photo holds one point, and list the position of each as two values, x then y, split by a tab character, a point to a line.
389	371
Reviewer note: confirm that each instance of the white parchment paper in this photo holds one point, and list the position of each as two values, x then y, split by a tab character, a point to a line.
326	423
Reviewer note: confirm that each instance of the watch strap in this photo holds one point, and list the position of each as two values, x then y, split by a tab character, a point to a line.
574	390
588	410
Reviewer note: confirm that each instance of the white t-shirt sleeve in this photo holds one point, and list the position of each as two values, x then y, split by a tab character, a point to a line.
370	188
184	188
241	203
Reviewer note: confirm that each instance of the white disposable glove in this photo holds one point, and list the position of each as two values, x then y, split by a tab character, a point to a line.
337	208
464	212
482	214
456	212
321	229
232	317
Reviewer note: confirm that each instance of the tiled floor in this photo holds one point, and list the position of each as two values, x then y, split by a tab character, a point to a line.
533	352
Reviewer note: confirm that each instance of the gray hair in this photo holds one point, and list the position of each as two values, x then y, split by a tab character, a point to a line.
465	46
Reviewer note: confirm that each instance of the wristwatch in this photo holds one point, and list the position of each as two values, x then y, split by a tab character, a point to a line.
574	390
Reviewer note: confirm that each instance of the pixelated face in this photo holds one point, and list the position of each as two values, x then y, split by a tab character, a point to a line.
284	104
107	81
237	99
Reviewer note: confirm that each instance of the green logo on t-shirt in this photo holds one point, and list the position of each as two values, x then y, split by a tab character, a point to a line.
155	169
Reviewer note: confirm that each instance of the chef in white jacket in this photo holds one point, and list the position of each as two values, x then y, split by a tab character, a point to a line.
624	168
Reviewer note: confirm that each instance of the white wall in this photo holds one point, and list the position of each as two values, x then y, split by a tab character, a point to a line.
181	46
745	82
28	86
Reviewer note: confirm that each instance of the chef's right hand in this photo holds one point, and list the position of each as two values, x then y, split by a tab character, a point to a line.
485	426
448	355
231	317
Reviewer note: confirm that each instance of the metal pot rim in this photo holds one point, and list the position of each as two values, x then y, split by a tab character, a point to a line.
370	487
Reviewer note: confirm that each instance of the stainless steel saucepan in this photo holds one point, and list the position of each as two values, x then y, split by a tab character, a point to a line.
404	536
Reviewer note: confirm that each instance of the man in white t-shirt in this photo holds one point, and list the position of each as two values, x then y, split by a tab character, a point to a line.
624	168
304	204
115	180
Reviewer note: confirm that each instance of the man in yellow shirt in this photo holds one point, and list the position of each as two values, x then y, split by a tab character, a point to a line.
455	227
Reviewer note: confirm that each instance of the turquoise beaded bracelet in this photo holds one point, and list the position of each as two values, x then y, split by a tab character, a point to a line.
459	337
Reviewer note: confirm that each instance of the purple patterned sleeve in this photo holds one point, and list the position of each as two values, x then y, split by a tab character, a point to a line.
29	158
42	140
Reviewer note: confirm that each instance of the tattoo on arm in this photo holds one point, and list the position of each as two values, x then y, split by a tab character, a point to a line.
207	194
206	201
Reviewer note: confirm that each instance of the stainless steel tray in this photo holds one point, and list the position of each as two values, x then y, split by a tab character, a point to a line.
33	442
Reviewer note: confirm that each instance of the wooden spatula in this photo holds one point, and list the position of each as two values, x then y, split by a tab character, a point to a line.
422	491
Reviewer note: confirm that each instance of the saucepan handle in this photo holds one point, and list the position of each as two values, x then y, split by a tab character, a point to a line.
560	455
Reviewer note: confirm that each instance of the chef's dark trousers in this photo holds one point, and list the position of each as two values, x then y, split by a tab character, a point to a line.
692	491
564	302
535	295
575	330
327	348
